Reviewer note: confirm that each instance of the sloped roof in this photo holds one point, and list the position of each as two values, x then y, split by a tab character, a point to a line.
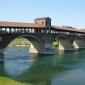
83	30
19	24
66	29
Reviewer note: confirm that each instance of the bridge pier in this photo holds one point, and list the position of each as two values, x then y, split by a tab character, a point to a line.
32	49
46	50
79	44
66	45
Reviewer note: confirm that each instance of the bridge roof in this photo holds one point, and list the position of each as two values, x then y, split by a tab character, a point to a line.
68	29
82	30
19	24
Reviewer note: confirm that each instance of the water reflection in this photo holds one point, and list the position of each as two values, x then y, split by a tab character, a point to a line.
16	61
1	57
45	70
42	71
1	63
75	61
71	77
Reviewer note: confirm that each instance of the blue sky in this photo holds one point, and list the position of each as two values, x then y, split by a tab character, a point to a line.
62	12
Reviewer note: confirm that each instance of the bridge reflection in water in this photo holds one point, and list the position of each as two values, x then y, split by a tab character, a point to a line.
60	69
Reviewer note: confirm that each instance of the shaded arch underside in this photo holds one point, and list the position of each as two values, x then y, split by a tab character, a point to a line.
65	43
36	44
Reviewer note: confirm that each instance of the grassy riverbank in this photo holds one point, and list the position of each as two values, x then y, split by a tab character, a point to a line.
8	81
5	80
20	42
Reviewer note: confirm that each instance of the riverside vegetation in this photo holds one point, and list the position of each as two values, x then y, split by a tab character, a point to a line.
20	42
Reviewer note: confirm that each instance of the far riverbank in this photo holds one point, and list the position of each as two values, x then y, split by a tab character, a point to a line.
19	45
20	42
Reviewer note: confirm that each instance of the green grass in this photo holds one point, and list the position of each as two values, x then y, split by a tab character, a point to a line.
8	81
20	41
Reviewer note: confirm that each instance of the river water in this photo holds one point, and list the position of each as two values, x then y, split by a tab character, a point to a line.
21	68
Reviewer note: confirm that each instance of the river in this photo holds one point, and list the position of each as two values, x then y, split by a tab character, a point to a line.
21	68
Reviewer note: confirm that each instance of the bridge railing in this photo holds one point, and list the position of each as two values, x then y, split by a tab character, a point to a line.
38	30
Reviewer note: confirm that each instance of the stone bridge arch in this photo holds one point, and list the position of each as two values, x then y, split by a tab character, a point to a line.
65	42
37	46
58	38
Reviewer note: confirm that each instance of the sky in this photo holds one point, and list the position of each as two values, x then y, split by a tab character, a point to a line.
62	12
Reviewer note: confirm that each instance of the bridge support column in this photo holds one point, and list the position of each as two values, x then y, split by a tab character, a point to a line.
32	49
79	44
66	45
47	50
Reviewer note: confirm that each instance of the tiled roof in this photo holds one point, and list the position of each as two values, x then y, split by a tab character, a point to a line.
83	30
19	24
67	29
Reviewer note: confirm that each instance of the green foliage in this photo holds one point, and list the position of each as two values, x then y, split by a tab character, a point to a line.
55	43
20	41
